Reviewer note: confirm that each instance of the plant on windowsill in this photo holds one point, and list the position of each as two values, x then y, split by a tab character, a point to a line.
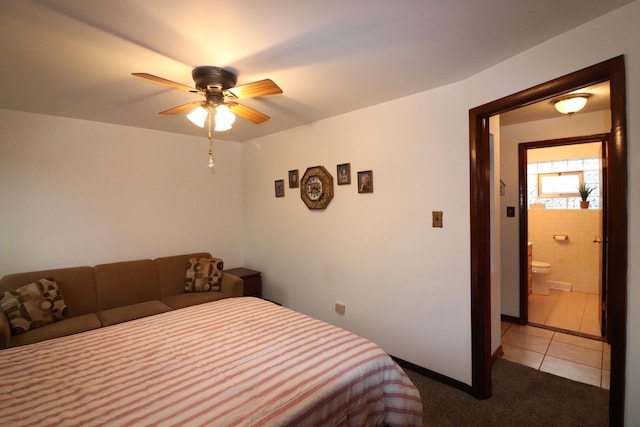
584	191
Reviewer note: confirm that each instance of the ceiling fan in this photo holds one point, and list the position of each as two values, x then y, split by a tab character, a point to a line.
218	87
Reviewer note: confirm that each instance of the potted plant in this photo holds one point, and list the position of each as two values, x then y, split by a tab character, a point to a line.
584	191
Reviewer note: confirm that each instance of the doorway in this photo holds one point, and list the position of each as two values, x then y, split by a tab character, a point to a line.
613	71
555	229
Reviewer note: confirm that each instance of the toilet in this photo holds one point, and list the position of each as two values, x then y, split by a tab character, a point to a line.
541	271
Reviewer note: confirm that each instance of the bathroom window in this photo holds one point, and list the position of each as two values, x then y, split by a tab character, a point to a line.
550	183
559	184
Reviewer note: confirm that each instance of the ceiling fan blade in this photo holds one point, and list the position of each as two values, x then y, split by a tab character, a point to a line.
181	108
166	82
248	113
259	88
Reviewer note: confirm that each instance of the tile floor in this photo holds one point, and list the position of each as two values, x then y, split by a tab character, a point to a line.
580	359
574	311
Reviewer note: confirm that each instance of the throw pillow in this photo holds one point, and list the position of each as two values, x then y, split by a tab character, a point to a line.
33	305
204	275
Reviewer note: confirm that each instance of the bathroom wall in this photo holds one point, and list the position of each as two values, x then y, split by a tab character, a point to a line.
576	260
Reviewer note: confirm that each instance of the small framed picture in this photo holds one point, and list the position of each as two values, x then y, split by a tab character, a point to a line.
280	188
365	182
294	182
344	174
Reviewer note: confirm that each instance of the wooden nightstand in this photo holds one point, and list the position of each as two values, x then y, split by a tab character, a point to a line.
252	280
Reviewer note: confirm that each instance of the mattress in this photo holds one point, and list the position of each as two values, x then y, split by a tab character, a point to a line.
234	362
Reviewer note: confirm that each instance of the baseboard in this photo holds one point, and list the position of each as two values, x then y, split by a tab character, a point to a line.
434	375
497	355
510	319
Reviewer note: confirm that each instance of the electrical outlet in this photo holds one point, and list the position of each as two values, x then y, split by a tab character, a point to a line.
340	307
437	219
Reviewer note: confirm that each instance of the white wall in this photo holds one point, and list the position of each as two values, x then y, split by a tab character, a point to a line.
512	135
75	192
405	284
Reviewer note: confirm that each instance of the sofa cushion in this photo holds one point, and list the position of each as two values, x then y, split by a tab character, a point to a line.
76	284
171	272
131	312
124	283
73	325
33	305
203	275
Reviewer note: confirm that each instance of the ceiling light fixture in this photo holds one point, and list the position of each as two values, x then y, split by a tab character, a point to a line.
220	114
572	103
223	119
198	116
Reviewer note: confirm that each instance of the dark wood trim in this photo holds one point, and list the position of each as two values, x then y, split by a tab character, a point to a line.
612	70
510	319
480	263
617	241
566	141
567	331
605	233
523	217
497	354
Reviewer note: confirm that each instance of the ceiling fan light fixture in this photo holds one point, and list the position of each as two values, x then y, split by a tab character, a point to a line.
571	104
224	118
198	116
217	85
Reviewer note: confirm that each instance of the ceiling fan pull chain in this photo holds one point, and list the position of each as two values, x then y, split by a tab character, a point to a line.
211	165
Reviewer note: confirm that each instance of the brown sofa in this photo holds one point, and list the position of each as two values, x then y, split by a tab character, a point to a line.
113	293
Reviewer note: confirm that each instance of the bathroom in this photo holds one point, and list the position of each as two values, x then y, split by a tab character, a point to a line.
545	145
566	249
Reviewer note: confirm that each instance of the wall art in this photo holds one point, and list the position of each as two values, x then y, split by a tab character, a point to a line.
365	182
293	179
279	186
344	174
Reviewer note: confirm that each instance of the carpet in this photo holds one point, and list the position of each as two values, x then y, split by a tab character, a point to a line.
522	396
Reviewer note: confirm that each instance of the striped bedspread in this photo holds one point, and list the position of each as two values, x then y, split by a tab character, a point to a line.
234	362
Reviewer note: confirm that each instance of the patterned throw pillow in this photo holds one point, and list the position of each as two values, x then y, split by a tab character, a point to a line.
33	305
204	275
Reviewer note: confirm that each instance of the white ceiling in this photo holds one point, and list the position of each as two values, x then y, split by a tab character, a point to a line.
598	100
74	58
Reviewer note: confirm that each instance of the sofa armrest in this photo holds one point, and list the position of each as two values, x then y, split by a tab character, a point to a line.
232	286
5	331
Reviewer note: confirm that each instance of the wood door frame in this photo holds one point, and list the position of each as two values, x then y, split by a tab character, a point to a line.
612	70
523	148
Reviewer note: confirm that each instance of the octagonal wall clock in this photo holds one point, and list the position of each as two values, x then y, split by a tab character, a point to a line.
316	187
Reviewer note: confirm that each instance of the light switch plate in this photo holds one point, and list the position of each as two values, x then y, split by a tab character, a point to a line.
437	219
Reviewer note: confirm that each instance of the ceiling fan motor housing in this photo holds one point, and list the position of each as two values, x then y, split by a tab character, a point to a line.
208	78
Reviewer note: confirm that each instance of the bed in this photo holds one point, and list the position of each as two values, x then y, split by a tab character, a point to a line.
234	362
